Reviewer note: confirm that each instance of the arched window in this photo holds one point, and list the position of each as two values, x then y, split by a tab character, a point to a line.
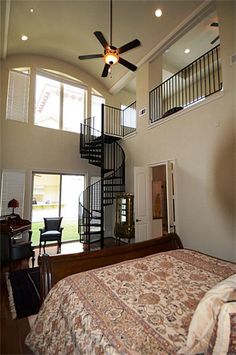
60	102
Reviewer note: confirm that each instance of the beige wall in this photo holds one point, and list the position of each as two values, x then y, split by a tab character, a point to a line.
123	97
201	140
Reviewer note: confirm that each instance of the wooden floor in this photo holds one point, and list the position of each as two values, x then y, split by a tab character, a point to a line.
13	332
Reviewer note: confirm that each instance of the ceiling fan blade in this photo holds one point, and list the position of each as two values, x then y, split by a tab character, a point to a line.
101	39
90	56
127	64
105	70
215	39
128	46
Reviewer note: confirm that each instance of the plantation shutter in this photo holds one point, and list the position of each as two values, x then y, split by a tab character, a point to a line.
13	186
18	96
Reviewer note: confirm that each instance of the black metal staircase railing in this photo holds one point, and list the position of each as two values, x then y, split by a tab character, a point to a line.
120	122
102	150
196	81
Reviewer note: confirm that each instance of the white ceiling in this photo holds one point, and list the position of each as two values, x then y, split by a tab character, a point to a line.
198	40
64	29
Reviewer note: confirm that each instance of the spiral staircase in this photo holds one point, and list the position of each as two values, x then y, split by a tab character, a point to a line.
102	150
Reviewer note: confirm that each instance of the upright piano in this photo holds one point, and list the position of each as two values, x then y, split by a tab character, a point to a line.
12	228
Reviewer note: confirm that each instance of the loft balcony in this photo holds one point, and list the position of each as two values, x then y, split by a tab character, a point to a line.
196	81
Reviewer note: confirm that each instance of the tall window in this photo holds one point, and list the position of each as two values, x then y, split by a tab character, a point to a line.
73	108
96	110
47	108
58	104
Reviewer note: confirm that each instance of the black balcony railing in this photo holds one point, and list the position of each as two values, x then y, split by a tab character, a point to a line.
198	80
120	122
129	119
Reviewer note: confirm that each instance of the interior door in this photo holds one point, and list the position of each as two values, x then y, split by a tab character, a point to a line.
170	192
142	203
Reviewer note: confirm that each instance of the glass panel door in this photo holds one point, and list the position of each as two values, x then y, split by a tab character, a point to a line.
56	195
71	187
45	203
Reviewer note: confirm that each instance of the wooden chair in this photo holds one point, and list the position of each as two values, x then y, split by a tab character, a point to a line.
52	231
22	248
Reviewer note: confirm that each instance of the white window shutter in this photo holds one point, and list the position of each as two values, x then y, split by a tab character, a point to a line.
13	186
18	96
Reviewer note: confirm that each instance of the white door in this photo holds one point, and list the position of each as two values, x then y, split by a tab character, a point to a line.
142	203
170	192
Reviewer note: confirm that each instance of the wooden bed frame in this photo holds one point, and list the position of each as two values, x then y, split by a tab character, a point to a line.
55	268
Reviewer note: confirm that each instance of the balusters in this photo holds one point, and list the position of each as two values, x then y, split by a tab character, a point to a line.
199	79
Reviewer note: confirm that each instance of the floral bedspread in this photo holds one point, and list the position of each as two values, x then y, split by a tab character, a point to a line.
141	306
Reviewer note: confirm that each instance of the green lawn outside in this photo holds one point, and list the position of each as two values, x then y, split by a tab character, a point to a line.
70	232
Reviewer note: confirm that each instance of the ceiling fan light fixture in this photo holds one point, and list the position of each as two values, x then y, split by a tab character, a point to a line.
111	54
111	57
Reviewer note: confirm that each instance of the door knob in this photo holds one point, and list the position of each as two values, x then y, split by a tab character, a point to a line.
138	220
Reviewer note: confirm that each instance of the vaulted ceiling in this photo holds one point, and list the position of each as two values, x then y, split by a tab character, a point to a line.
64	29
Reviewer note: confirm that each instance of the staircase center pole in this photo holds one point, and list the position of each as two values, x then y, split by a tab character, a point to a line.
102	175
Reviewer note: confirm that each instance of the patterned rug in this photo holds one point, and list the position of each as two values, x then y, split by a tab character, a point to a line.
24	292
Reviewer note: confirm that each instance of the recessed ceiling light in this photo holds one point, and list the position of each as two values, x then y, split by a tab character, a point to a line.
158	12
31	10
187	50
24	37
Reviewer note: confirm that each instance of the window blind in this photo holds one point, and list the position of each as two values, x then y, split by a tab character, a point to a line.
18	96
13	186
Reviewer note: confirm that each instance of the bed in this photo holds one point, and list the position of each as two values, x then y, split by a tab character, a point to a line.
145	302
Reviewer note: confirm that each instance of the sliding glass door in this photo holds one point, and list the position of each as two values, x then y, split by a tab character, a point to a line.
71	187
56	195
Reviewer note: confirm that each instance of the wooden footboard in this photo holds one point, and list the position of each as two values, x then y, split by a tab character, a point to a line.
55	268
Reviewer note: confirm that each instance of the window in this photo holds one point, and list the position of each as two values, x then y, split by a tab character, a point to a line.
73	108
60	99
18	94
47	110
59	104
96	110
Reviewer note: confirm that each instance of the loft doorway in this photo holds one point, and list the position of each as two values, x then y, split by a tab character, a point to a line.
154	200
159	201
56	195
163	198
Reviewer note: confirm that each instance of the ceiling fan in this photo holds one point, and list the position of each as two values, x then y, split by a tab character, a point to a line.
111	53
